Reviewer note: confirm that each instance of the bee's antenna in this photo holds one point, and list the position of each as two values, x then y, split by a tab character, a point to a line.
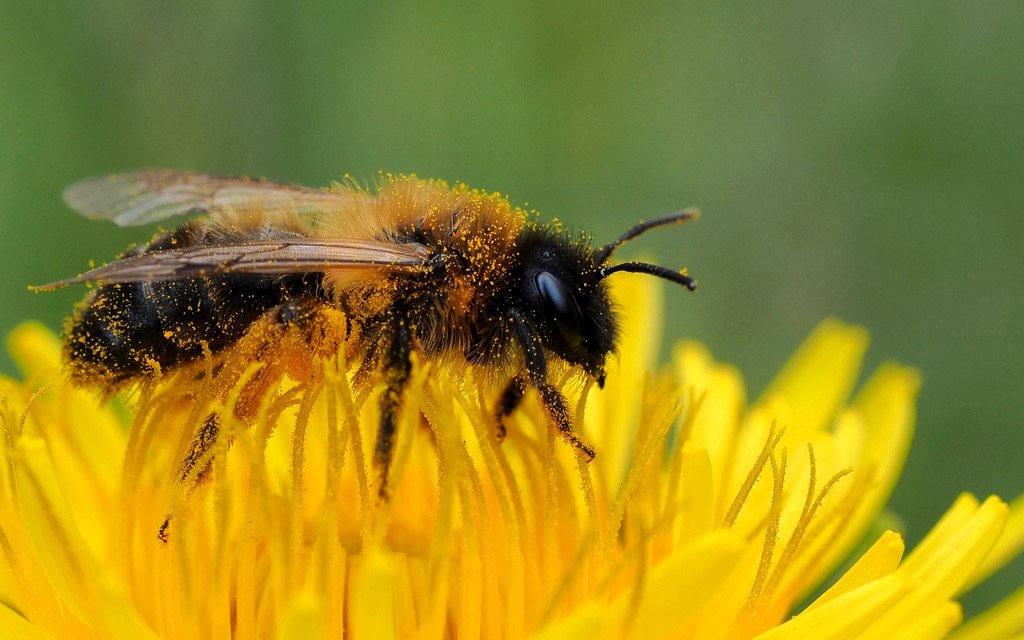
651	269
673	218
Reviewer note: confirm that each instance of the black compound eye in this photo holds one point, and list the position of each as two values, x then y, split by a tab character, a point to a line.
561	306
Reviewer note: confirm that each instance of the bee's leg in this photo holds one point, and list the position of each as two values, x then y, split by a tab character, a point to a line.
551	399
510	399
397	367
202	443
318	322
370	362
307	315
301	313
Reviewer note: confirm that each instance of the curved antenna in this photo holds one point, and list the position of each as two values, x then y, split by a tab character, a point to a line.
678	217
650	269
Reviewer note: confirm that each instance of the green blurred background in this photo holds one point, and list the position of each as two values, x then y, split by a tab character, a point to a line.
861	161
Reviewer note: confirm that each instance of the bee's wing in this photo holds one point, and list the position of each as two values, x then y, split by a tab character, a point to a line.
271	257
130	199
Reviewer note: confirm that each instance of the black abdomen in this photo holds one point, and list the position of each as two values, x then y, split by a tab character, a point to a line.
124	330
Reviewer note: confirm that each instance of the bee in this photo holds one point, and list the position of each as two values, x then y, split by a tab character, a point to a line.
413	266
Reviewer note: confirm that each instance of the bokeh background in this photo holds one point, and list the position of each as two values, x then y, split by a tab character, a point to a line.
862	160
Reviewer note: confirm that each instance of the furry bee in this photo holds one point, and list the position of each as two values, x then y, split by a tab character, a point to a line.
414	266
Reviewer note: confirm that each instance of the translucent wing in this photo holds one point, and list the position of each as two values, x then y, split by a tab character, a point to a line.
130	199
272	257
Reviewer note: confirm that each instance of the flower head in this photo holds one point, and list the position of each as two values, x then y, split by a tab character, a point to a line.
702	516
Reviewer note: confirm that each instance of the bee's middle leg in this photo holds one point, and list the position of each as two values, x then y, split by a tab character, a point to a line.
397	367
510	400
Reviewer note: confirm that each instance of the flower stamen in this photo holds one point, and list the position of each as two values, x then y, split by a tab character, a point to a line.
674	530
755	472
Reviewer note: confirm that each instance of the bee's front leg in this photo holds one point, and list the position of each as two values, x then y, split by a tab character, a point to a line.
553	402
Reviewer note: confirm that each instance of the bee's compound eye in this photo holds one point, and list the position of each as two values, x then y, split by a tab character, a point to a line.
561	306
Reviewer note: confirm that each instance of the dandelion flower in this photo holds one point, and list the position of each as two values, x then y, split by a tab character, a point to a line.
703	515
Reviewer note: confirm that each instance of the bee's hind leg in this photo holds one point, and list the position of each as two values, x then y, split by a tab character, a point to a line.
198	452
306	314
551	399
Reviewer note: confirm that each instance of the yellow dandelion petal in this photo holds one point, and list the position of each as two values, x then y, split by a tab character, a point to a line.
819	377
676	590
877	562
620	404
1001	621
943	562
696	490
119	618
36	351
1010	545
934	623
930	553
590	621
887	402
846	615
716	393
17	627
49	528
304	619
680	586
950	564
886	408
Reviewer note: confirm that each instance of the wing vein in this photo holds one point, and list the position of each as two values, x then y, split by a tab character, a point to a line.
272	257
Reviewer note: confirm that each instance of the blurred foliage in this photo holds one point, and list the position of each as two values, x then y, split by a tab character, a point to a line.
864	160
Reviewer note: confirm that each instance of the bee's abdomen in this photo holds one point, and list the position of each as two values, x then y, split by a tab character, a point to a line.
130	330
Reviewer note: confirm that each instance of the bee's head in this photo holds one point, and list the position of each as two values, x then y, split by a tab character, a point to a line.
568	304
567	299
